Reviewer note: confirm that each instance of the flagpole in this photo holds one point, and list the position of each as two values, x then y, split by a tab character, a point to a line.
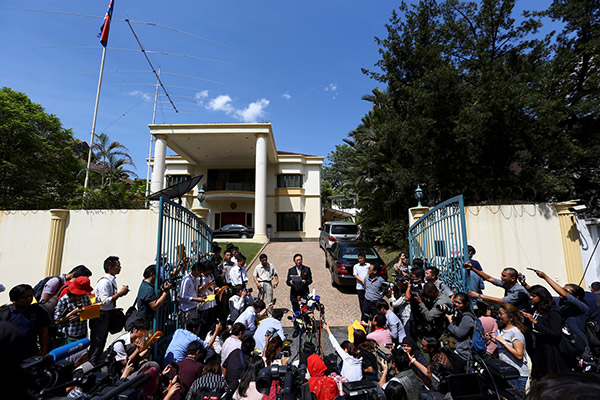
151	140
89	161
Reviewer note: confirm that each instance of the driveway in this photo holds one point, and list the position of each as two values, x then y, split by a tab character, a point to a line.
341	306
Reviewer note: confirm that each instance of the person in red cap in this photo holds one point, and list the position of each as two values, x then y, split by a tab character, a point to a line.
70	306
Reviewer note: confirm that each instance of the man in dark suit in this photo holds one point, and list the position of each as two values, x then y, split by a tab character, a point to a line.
298	279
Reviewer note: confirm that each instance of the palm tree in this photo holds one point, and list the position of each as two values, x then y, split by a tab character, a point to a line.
112	158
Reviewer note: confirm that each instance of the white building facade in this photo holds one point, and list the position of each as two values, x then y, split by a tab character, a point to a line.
245	179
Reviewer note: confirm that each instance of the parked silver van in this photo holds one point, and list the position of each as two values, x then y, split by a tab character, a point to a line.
335	231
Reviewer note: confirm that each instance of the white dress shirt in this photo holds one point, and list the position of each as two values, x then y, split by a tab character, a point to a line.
189	290
248	318
106	288
237	276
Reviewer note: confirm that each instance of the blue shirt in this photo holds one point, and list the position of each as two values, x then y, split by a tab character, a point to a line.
266	325
30	322
179	344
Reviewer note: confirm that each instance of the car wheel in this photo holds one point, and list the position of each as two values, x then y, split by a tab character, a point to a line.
244	236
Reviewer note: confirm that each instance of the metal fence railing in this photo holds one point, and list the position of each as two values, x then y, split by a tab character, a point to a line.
440	237
181	234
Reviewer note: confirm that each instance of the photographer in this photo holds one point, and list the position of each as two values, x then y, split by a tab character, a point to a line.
399	369
430	310
462	325
177	349
239	302
248	317
70	306
431	275
375	287
394	324
148	301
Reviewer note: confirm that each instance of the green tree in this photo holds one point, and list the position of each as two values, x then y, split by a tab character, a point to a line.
474	105
111	159
38	168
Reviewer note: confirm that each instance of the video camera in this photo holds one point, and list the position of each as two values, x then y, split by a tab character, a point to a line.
291	380
589	364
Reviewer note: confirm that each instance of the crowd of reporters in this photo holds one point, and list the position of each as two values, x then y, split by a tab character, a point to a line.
413	333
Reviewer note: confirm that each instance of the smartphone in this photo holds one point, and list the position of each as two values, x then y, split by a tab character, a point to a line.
286	354
389	345
274	301
531	269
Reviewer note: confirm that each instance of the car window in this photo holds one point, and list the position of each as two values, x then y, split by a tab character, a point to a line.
351	253
344	229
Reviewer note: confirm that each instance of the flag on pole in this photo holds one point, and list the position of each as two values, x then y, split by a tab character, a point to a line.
103	35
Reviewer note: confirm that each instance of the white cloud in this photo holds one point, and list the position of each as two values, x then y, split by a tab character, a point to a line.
144	96
253	112
201	95
286	95
221	103
332	88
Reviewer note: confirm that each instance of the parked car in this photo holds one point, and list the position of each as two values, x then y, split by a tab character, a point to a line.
342	256
335	231
234	230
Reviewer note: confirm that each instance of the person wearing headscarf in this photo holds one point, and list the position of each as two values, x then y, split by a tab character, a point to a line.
323	386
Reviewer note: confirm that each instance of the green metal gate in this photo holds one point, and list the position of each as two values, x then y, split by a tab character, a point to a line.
181	234
440	236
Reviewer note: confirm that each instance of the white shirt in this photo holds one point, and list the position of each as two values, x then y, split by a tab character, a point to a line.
232	343
362	271
119	347
248	318
351	367
237	304
217	344
205	280
106	287
237	276
403	308
266	274
189	290
227	267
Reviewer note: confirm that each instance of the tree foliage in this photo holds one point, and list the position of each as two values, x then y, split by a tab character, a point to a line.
38	167
475	104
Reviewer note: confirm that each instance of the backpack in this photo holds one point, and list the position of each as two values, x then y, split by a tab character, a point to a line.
478	342
39	288
115	368
570	345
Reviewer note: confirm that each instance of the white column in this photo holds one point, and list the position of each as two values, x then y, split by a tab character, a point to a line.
260	188
158	170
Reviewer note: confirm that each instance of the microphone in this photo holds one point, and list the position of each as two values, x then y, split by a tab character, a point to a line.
60	353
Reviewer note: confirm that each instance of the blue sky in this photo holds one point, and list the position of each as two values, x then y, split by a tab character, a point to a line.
294	64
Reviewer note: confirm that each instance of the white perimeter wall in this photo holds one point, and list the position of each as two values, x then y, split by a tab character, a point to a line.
90	237
519	236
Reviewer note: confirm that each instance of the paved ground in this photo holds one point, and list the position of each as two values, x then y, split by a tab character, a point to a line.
341	306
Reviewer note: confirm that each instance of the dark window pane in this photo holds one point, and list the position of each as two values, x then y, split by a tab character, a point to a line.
290	222
344	229
176	179
217	220
231	179
289	181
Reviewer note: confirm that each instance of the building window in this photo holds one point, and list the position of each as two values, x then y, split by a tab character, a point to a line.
217	221
290	222
249	219
176	179
231	179
289	181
